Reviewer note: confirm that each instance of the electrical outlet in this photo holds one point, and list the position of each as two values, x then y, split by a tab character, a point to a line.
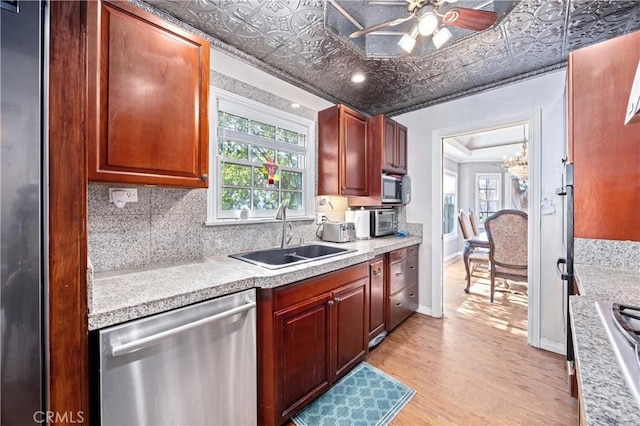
320	218
130	194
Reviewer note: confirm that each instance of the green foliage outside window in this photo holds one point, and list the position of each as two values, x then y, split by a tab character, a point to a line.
245	181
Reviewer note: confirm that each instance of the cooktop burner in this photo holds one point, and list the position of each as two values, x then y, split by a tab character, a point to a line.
622	324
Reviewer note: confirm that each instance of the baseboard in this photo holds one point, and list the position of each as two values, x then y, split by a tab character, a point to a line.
453	256
424	310
551	346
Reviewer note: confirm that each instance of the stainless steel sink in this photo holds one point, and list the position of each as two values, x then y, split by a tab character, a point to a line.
282	257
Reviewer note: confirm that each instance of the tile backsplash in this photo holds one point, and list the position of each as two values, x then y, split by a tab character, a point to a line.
166	226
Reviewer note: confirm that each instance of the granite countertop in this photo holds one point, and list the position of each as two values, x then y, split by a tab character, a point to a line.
122	296
605	394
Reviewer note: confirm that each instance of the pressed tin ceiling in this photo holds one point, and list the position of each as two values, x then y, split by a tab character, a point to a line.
306	42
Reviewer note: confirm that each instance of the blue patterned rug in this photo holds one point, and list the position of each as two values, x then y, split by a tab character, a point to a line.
366	396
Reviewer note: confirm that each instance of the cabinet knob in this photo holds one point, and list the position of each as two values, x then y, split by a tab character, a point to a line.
337	299
330	303
398	274
377	272
205	177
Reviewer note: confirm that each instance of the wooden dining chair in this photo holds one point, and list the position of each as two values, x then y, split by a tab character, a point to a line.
476	256
508	251
473	219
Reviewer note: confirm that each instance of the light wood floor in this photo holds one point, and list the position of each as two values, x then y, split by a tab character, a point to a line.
474	367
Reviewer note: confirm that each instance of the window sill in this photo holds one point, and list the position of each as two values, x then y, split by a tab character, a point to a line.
255	220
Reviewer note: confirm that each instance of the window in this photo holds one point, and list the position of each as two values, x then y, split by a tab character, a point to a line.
449	204
261	157
487	195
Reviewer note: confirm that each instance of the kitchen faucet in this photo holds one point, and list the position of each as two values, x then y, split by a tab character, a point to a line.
281	214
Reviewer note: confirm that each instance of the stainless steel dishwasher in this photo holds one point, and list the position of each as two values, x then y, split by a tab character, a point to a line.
192	366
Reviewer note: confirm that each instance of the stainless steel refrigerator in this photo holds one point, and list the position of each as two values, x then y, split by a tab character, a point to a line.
23	211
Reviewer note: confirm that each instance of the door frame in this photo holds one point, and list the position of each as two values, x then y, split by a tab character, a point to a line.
533	119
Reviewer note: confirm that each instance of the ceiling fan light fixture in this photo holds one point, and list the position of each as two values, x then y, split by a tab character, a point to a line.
440	37
408	41
428	24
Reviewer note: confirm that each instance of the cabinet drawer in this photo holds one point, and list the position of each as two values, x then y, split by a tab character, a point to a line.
401	254
402	304
403	274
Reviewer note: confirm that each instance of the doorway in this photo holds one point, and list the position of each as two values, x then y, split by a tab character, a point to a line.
531	122
476	181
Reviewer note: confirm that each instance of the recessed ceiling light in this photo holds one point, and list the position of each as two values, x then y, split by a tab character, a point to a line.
358	77
295	105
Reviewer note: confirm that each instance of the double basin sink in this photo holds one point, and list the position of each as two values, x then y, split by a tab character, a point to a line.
283	257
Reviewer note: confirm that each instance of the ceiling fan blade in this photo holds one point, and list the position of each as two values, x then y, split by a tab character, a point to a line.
470	19
391	23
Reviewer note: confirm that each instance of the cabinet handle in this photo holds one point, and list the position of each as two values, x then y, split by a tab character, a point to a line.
205	177
330	303
412	295
377	272
399	304
412	267
398	274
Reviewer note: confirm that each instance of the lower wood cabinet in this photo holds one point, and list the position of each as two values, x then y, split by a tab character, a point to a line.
403	285
310	334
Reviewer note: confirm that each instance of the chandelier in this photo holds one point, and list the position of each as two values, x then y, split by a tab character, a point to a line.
519	167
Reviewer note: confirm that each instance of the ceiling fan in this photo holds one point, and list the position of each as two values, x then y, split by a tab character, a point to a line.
432	23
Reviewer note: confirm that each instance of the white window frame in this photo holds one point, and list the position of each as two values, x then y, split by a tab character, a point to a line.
231	103
453	235
476	189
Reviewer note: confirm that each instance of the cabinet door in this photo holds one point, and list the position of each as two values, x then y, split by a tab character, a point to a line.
351	335
604	151
303	335
401	149
389	145
376	298
148	99
354	164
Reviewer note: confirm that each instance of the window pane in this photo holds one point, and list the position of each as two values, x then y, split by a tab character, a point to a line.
234	174
482	183
233	122
232	149
292	199
265	199
261	178
261	129
235	198
291	180
493	206
262	155
288	159
492	183
492	194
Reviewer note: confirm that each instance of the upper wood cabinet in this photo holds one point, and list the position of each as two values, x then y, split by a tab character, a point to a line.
148	86
391	138
605	152
342	152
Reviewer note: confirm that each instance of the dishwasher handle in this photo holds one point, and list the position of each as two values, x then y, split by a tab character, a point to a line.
145	342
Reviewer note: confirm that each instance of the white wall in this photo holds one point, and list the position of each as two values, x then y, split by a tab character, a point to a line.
545	92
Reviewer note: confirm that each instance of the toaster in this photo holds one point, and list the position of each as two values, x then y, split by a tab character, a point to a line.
339	232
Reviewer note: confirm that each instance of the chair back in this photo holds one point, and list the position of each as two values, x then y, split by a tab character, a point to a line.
465	225
507	234
473	218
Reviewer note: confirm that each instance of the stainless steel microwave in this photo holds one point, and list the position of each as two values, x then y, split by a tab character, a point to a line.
384	222
391	189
